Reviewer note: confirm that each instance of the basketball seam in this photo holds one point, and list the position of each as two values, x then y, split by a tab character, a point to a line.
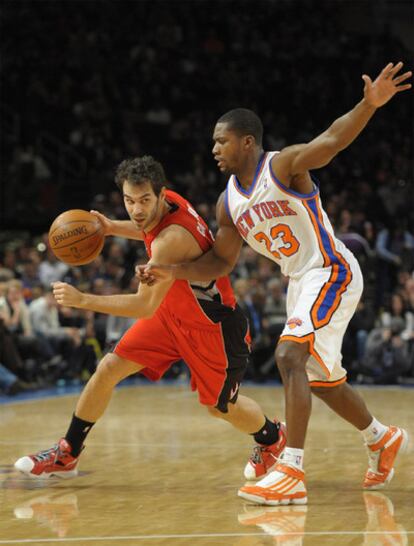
74	222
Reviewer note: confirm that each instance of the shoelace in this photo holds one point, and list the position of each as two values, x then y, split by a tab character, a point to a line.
43	455
257	454
373	457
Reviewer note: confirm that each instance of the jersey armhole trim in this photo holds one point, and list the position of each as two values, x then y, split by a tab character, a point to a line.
285	189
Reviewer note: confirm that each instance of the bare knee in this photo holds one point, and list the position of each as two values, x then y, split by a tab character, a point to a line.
291	357
112	369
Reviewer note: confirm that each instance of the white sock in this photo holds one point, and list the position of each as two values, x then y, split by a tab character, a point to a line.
374	431
293	457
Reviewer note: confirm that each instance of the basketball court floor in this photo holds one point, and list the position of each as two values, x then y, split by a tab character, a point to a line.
158	470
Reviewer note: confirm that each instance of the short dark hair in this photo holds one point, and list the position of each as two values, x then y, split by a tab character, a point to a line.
141	170
244	122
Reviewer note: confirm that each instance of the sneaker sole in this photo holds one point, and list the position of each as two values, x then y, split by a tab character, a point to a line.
267	502
62	475
403	449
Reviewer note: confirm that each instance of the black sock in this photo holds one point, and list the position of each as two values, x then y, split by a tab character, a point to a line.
268	434
76	434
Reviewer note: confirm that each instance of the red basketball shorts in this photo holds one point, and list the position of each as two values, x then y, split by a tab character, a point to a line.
216	355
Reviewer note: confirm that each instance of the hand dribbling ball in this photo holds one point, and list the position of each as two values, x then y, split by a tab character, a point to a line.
76	237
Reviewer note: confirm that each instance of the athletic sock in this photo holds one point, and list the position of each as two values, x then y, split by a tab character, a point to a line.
268	434
293	456
76	434
374	431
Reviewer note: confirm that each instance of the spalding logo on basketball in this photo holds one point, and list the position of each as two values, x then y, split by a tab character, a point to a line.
76	237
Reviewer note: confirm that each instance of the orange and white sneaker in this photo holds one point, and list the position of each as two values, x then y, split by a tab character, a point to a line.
286	524
382	455
264	458
56	461
285	485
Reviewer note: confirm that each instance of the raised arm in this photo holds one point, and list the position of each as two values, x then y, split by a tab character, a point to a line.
298	159
217	262
119	228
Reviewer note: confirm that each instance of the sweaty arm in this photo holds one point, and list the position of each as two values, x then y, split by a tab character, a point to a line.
170	246
217	262
297	160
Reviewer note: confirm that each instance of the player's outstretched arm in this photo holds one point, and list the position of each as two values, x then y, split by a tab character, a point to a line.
119	228
217	262
320	151
172	246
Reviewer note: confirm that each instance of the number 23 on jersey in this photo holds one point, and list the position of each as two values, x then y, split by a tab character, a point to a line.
282	232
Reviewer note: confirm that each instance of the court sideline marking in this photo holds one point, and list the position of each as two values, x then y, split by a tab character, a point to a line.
199	535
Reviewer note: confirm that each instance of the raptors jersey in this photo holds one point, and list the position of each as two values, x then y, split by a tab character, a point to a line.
201	304
288	227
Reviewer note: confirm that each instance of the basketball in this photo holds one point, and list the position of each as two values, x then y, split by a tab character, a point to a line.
76	237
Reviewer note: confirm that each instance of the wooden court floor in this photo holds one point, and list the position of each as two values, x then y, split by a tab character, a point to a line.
158	470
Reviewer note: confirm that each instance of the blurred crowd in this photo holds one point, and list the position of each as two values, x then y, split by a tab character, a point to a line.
124	79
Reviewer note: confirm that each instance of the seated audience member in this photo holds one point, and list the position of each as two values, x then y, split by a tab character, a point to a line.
387	357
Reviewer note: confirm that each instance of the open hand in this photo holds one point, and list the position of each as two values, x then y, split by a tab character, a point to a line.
386	85
107	223
151	274
66	294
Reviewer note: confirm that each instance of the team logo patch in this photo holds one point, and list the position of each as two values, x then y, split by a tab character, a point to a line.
293	322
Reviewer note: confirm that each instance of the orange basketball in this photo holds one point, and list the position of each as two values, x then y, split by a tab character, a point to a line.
76	237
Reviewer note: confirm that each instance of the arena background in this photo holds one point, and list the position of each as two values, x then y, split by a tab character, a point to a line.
86	84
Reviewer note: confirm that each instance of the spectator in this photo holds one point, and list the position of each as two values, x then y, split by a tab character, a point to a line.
10	384
395	251
14	310
387	357
51	269
398	311
60	341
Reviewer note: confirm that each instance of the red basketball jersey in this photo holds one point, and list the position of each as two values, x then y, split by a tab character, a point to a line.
185	301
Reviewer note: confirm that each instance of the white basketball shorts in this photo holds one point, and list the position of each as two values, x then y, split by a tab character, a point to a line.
319	307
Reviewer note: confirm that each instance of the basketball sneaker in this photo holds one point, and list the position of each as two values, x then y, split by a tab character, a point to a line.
285	485
56	461
264	458
381	457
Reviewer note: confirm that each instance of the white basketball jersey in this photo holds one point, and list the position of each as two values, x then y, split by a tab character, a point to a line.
288	227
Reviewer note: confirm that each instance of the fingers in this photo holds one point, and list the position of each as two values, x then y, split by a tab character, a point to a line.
367	80
143	275
98	215
60	291
394	70
386	71
391	70
402	78
404	87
